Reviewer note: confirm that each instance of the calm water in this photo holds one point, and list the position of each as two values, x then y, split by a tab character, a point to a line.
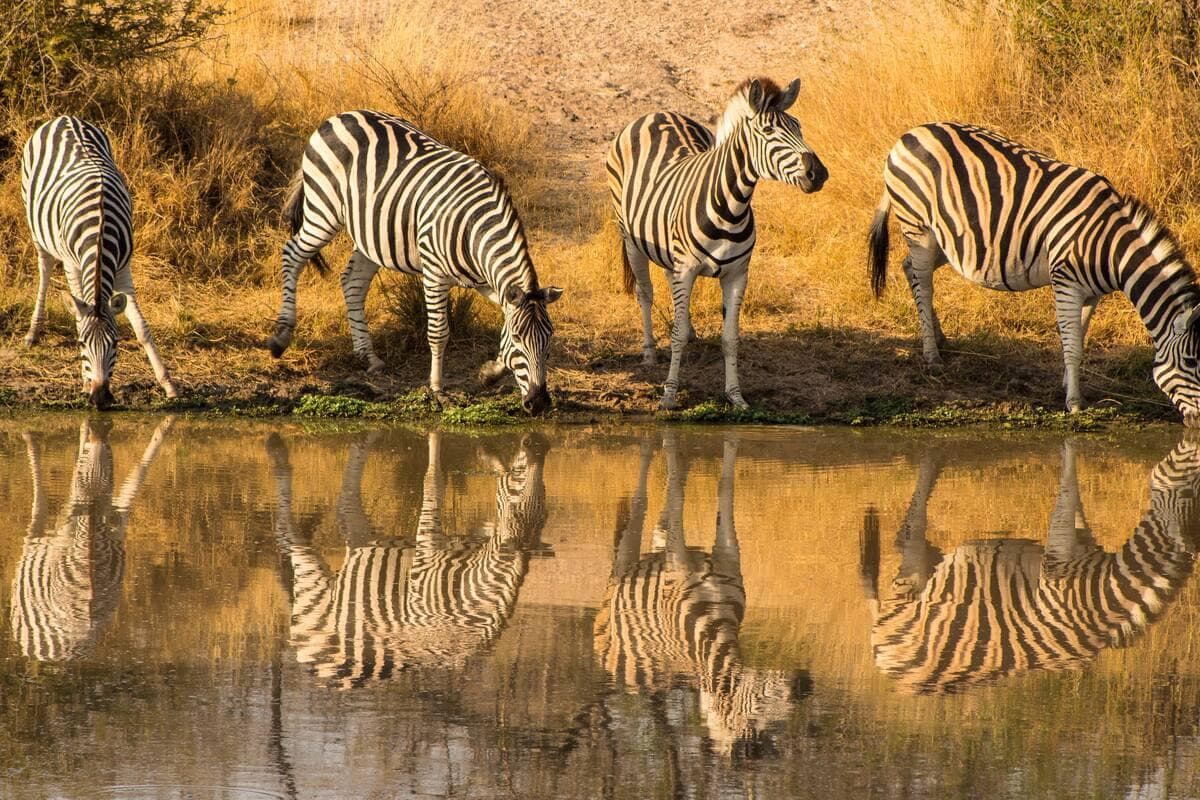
227	610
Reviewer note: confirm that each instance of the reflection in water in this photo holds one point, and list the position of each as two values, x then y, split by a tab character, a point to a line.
433	600
68	581
672	615
1003	606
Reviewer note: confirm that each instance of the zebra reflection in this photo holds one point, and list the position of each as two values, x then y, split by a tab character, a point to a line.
433	602
673	615
68	581
998	607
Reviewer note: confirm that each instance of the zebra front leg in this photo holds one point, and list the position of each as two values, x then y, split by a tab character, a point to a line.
46	265
1068	308
726	557
639	265
124	284
437	329
733	288
681	298
429	522
920	281
1069	537
356	282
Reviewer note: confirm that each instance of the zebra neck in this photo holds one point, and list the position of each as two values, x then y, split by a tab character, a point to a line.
1159	288
731	175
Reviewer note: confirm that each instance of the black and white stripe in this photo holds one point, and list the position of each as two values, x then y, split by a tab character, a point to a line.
682	200
410	203
1012	219
68	581
432	603
73	191
673	615
999	607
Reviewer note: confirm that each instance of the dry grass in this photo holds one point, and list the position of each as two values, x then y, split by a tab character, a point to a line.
209	140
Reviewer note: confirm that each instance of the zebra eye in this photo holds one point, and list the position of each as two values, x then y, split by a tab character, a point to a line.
768	128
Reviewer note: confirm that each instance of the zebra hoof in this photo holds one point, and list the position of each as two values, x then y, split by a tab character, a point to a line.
31	339
168	386
649	357
736	400
669	402
276	348
374	365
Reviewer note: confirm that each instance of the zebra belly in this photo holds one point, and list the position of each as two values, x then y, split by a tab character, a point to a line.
1012	277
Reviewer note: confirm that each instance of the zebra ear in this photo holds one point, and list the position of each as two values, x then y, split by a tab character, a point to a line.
75	307
116	303
784	100
1185	321
549	294
514	295
755	95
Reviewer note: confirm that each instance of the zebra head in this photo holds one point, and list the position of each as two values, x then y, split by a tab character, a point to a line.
1177	365
96	329
776	143
525	343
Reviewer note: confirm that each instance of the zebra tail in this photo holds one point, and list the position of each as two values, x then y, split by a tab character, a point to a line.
293	216
630	280
877	247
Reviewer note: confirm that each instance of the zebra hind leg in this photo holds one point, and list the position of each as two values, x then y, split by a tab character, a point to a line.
919	266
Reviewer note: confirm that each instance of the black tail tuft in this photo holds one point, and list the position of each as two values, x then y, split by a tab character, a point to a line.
630	282
868	554
877	248
293	216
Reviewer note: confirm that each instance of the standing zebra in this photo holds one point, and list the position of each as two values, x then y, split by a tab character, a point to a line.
998	607
675	613
412	204
433	602
682	200
1012	219
68	581
81	216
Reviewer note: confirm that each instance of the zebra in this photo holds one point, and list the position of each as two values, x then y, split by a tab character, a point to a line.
81	216
674	614
1012	219
412	204
999	607
434	601
68	581
682	200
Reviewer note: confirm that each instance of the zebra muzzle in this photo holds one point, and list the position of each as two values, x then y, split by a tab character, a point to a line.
536	400
101	396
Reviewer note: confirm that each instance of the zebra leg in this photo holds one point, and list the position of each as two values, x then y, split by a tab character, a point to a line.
356	282
726	556
295	256
39	510
669	536
1069	537
920	281
628	539
917	557
437	328
1068	308
46	265
137	476
639	264
356	526
733	288
429	523
123	282
1085	317
681	297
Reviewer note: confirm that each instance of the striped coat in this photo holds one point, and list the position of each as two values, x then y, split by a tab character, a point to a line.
433	603
682	200
73	193
412	204
1000	607
1010	218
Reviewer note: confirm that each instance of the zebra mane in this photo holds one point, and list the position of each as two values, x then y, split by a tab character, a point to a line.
1166	247
99	250
738	107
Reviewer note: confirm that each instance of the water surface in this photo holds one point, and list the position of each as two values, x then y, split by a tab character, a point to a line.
207	609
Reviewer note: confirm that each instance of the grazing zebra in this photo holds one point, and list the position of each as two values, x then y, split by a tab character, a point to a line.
412	204
68	581
73	192
1012	219
433	602
682	200
999	607
674	614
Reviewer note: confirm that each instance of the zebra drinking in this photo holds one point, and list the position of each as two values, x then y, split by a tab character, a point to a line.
410	203
682	200
68	581
1012	219
81	216
433	601
998	607
674	614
